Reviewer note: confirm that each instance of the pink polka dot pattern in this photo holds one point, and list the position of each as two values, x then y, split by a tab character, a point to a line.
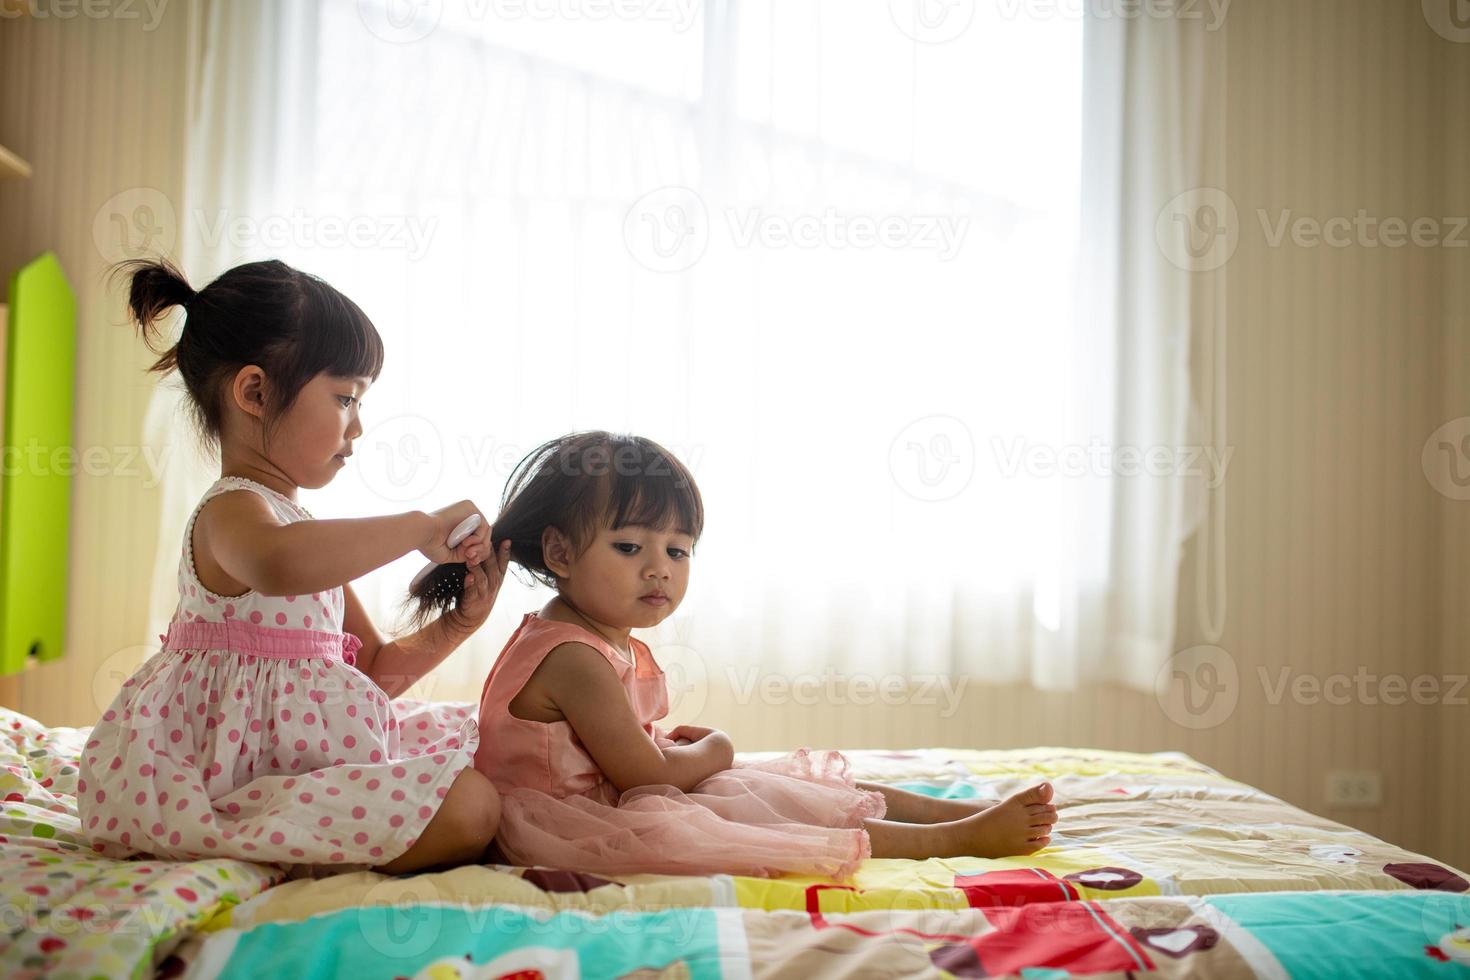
204	753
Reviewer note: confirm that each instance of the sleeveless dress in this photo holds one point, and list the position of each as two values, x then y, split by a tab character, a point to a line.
800	813
252	735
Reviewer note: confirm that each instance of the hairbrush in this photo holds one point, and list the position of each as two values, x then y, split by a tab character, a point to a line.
461	531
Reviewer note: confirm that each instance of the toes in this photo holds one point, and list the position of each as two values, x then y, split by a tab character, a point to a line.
1040	793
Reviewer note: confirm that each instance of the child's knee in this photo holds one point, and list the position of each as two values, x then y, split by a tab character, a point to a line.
476	808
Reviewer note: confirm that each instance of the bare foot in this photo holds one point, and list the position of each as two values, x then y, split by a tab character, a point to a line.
1019	824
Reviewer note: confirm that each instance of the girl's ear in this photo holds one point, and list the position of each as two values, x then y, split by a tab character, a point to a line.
249	390
556	552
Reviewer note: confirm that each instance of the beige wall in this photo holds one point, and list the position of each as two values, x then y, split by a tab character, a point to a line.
1341	362
1454	515
1334	107
96	106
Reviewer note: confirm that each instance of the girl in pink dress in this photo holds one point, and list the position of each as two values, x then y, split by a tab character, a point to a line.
264	729
589	781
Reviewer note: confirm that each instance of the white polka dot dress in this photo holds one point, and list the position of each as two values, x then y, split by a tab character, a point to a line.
252	735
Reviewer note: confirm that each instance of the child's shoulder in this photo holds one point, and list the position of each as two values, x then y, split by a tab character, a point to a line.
579	671
563	646
240	498
545	636
227	521
234	506
544	663
574	655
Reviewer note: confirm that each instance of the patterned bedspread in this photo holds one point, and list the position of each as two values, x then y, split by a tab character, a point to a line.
1159	865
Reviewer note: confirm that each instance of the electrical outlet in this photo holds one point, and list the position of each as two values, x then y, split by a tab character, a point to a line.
1355	788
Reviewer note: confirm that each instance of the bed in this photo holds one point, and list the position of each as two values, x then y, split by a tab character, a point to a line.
1160	866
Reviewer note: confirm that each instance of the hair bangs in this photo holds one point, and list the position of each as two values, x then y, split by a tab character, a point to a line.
652	489
342	342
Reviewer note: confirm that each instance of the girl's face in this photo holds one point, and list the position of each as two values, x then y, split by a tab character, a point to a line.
314	438
631	578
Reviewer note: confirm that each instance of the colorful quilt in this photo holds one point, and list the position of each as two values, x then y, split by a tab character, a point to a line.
1276	934
68	912
1159	865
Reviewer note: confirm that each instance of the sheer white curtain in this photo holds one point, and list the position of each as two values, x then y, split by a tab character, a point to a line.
848	268
249	109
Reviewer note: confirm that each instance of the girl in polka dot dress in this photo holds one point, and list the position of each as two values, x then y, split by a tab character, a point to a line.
265	728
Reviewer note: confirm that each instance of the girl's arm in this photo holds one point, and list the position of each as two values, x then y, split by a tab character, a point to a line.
586	690
244	537
395	665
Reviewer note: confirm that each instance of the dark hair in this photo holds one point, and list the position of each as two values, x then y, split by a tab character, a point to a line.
577	483
290	324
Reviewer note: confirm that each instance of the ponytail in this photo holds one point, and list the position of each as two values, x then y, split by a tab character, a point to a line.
155	285
438	593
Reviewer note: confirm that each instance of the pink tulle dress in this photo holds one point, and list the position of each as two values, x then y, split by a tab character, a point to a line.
801	813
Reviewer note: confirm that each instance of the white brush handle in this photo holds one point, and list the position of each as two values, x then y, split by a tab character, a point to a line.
461	531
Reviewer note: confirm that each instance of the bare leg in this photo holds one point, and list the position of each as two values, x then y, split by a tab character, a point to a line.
907	807
459	832
1020	824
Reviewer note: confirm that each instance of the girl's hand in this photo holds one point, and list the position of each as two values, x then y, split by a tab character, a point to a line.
481	585
690	734
442	523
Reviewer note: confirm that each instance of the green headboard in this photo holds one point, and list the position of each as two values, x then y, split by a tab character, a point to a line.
39	458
